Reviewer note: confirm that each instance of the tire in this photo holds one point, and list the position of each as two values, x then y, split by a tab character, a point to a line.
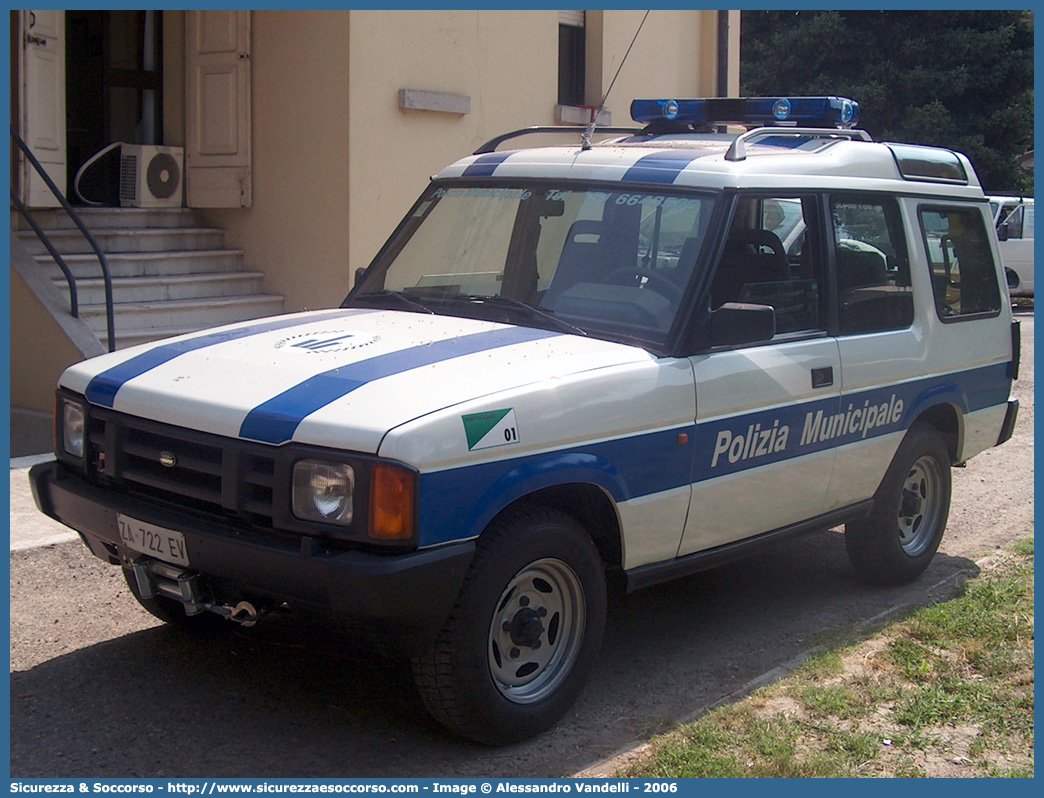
524	633
899	538
170	611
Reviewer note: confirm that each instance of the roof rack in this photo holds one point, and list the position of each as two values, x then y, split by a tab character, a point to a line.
738	150
493	143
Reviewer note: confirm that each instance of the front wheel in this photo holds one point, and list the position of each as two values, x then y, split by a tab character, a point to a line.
899	538
524	634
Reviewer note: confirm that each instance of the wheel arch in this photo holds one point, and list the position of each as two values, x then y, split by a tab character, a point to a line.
591	506
948	420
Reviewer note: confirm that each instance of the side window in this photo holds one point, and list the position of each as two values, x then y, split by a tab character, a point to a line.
770	259
964	276
1012	216
872	264
1019	220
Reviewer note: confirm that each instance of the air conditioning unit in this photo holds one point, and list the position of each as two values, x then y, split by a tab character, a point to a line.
151	176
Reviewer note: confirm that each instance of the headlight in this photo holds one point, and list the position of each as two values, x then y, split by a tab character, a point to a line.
73	429
322	492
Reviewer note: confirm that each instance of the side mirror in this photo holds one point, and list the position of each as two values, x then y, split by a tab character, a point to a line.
1002	232
359	275
738	323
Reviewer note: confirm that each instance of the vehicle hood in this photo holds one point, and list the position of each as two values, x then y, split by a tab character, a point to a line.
340	378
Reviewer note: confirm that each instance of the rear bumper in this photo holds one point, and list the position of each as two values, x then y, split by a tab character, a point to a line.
1008	428
393	602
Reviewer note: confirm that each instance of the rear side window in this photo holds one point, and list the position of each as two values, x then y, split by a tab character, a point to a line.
964	277
873	269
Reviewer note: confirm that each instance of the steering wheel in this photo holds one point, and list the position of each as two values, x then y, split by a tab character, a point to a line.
655	281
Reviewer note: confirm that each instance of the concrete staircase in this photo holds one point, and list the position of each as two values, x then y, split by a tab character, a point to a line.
170	274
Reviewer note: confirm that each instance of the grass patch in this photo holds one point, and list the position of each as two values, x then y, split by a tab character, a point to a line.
948	691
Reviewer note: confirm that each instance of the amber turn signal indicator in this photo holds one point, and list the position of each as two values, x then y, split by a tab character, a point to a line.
392	503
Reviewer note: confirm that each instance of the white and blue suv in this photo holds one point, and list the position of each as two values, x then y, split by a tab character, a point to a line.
629	360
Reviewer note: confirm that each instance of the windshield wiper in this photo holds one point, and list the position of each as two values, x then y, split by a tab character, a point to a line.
398	296
532	311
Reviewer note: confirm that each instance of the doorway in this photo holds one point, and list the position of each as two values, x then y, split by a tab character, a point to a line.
114	93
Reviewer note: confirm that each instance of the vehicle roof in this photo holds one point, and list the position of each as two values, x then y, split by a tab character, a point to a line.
699	160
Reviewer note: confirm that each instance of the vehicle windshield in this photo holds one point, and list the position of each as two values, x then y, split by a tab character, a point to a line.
609	263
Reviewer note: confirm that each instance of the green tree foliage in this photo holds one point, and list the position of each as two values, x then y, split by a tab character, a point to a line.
957	79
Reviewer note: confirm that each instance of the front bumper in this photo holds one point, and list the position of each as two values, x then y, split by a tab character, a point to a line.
394	602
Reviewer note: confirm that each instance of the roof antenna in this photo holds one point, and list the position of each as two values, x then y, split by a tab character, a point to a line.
585	137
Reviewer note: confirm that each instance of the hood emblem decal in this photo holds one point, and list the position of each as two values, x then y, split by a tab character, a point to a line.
168	459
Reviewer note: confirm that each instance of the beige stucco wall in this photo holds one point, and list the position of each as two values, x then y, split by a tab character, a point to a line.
297	232
494	57
666	60
507	63
40	350
337	162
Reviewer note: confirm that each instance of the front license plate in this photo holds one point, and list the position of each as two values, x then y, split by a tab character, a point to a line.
163	544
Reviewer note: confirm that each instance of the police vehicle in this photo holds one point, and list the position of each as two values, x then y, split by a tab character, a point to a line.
626	360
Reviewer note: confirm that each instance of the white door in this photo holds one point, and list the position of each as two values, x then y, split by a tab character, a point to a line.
42	67
757	468
217	69
762	461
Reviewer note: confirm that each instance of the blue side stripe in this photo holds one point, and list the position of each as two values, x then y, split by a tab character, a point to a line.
457	503
659	167
102	388
276	420
485	165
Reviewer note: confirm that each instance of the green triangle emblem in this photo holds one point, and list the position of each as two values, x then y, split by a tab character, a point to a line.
478	425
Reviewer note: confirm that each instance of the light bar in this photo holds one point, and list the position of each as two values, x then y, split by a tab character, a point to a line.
831	112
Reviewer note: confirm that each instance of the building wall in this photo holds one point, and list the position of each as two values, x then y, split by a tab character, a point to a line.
297	230
337	162
506	62
40	350
493	57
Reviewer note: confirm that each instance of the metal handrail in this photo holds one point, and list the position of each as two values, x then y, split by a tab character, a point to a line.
74	305
106	276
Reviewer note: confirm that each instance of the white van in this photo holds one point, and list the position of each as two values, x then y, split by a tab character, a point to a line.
1013	217
568	365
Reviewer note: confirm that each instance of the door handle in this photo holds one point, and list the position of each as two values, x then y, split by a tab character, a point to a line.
823	377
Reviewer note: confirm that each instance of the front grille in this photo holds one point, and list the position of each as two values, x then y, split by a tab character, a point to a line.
200	472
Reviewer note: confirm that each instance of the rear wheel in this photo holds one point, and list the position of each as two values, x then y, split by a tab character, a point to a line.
901	535
524	634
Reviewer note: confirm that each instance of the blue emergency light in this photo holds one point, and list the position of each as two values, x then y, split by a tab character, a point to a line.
802	111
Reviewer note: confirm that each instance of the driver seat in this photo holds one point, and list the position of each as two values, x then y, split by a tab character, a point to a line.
745	261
